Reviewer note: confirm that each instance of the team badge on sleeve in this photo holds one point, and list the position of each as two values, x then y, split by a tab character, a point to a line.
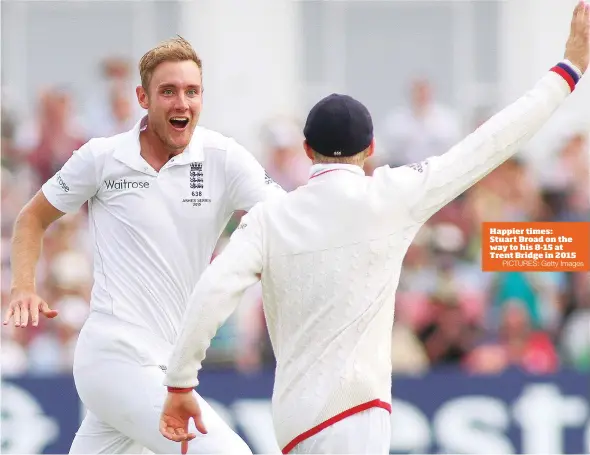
267	179
419	167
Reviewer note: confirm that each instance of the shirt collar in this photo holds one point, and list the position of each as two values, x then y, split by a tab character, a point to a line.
321	169
128	150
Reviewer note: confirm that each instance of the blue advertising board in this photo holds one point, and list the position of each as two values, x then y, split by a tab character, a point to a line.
442	412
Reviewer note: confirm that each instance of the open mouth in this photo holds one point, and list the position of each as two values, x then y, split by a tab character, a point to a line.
179	123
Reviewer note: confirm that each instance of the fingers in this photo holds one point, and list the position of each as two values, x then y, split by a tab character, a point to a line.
47	312
578	43
42	308
175	433
35	315
8	315
169	432
189	437
199	424
16	309
24	305
582	15
575	14
586	19
578	15
184	444
24	315
20	311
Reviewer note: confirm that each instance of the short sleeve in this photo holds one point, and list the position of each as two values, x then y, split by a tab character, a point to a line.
74	183
248	182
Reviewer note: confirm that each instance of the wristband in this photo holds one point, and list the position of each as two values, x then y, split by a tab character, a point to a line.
572	66
568	72
179	389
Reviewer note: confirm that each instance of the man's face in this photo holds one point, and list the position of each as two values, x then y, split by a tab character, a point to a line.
421	94
173	102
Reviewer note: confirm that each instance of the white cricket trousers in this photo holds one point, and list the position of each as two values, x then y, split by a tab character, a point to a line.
366	432
123	392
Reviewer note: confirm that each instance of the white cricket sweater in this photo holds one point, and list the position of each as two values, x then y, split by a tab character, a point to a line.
330	255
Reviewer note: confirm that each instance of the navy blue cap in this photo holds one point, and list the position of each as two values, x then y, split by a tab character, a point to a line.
338	125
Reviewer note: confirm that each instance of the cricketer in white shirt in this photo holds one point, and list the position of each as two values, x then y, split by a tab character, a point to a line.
154	234
329	255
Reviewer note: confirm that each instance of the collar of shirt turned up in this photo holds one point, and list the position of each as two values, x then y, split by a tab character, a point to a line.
322	169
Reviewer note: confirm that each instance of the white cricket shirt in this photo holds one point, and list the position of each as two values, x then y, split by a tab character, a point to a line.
330	254
154	232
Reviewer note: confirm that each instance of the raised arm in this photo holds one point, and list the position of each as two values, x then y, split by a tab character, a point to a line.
428	186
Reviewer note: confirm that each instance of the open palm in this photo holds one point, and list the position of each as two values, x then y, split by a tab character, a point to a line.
179	408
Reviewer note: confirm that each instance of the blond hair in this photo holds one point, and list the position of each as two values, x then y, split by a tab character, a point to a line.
172	50
357	160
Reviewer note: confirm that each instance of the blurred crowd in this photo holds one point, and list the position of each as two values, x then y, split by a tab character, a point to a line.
448	312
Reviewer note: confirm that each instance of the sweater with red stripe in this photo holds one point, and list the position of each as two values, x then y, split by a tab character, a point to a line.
330	255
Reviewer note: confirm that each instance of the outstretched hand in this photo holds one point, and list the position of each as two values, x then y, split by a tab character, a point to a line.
577	48
179	408
25	304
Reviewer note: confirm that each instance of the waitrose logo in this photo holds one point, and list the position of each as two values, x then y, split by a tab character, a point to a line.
62	183
125	184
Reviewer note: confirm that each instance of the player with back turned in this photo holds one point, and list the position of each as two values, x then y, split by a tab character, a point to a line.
330	255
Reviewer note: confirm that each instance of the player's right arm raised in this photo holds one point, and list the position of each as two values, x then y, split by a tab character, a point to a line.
428	186
64	193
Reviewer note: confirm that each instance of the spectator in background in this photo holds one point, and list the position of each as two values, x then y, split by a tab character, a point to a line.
423	129
113	108
524	287
408	355
516	344
447	249
574	342
574	167
492	200
117	117
65	278
449	336
243	340
48	140
116	69
285	162
7	130
568	163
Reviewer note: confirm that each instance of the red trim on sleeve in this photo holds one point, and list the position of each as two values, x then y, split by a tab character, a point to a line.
179	389
566	76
